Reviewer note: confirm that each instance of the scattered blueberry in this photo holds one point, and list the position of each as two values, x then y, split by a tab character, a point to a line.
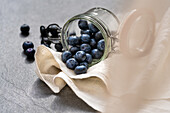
101	45
84	63
25	29
93	43
54	29
85	38
74	49
73	40
45	41
65	56
89	58
98	36
80	69
43	31
80	56
83	24
71	63
96	54
86	48
93	28
30	53
86	32
27	44
58	46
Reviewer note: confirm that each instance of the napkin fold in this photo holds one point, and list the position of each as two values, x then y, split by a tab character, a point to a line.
119	77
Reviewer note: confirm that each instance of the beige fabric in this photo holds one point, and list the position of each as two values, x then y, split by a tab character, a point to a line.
127	81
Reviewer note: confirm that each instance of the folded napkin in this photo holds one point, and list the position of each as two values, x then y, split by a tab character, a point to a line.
119	77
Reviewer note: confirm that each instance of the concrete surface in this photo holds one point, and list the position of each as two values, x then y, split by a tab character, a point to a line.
20	89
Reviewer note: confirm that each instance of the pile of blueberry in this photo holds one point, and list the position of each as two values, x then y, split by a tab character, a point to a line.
90	45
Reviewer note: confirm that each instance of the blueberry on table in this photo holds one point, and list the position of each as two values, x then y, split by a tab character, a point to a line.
101	45
84	64
65	56
86	32
43	31
98	36
71	63
93	28
45	41
73	49
54	29
58	46
25	29
73	40
80	69
30	53
80	56
89	58
85	38
93	43
27	44
86	48
83	24
96	54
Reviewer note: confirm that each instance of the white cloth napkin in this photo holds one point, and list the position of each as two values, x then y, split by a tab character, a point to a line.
121	78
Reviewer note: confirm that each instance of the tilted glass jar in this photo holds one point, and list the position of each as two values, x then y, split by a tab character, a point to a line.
103	19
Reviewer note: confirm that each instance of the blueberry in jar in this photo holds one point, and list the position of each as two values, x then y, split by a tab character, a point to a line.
43	31
30	53
84	64
72	33
65	56
93	43
85	38
89	58
25	29
101	45
27	44
71	63
86	32
96	54
98	36
93	28
58	46
80	56
86	48
80	69
74	49
73	40
83	24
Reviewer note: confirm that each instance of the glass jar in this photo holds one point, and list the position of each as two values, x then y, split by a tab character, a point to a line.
103	19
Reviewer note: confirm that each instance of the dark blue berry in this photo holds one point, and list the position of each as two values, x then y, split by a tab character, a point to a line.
54	30
25	29
73	40
98	36
101	45
85	38
86	48
58	46
84	63
71	63
93	43
86	32
27	44
96	54
65	56
73	49
88	58
80	56
30	53
83	24
93	28
43	31
80	69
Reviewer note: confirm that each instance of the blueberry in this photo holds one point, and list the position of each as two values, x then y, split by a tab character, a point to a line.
96	54
93	43
80	69
83	24
88	58
65	56
25	29
73	40
98	36
85	38
93	28
30	53
86	32
86	48
71	63
43	31
58	46
72	33
73	49
101	45
80	56
84	64
45	41
54	29
27	44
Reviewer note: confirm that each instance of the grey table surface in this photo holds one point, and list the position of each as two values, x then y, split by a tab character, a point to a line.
20	89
